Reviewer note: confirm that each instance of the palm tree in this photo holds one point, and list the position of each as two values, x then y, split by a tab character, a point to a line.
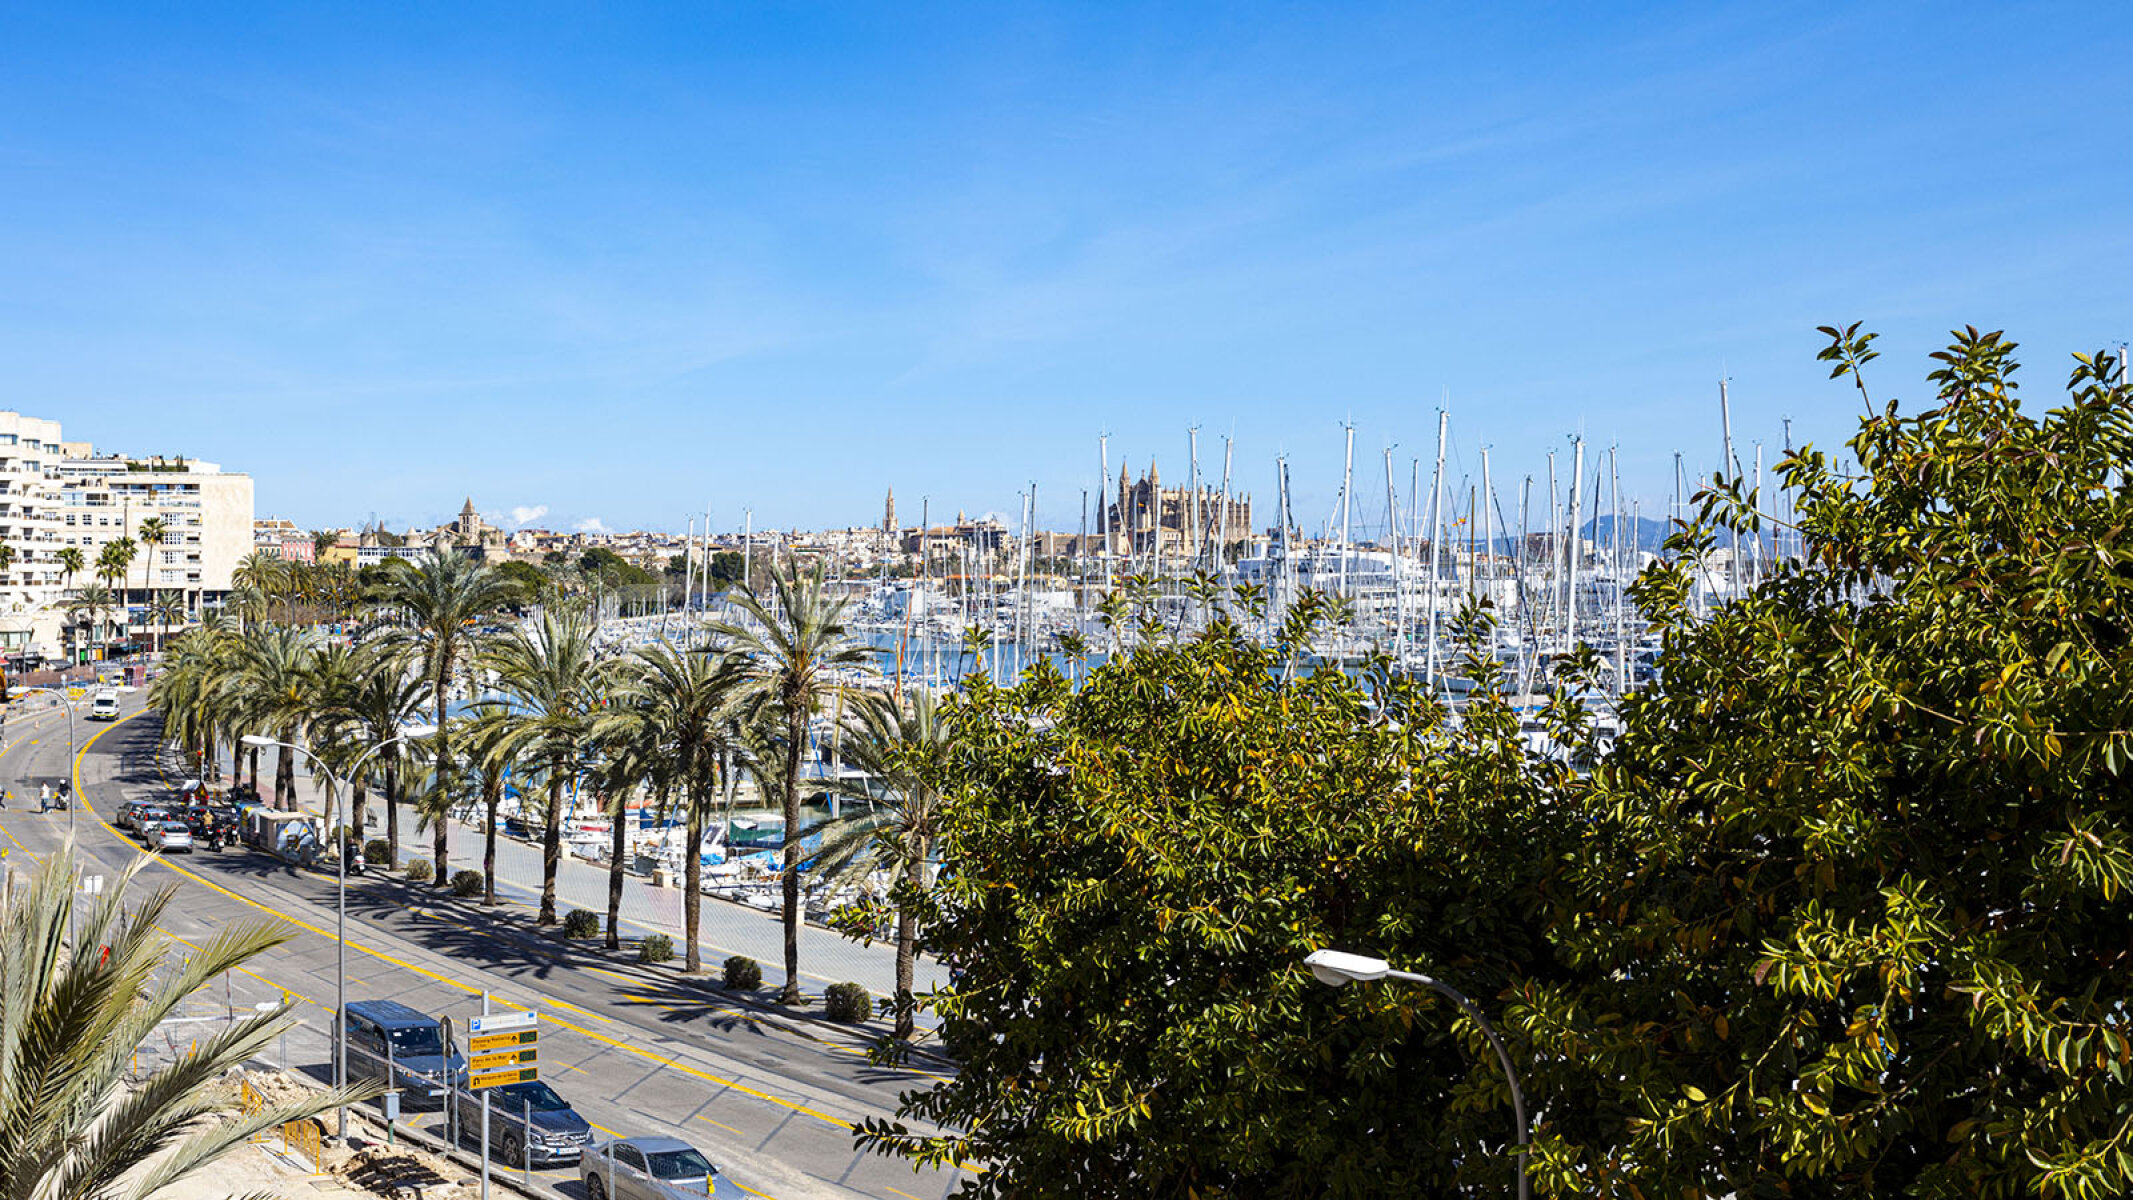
184	693
270	689
151	534
442	601
673	713
166	610
390	695
70	564
903	750
623	765
793	649
94	602
487	733
7	560
556	680
71	1024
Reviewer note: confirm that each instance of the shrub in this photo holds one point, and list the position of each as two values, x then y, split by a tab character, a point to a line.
847	1002
418	870
655	948
743	973
467	883
377	853
581	923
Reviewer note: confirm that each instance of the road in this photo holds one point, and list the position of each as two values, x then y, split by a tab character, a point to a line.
635	1049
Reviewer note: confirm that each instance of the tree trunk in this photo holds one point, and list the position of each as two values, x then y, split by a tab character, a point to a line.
492	792
692	874
392	814
357	794
552	840
285	779
795	732
255	766
438	846
906	956
444	769
615	868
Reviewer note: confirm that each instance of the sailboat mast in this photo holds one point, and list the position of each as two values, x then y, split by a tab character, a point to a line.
1436	542
1347	491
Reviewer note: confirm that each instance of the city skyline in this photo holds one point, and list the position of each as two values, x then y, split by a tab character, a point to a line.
619	268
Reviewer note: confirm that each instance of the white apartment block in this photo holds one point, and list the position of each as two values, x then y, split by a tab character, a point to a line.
206	514
29	527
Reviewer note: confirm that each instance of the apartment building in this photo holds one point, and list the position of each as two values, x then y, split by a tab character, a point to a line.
206	516
30	454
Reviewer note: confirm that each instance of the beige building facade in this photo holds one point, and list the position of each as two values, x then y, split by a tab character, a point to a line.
30	454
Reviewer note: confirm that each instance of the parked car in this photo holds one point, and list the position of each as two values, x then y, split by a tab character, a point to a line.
390	1041
648	1168
558	1134
167	836
138	815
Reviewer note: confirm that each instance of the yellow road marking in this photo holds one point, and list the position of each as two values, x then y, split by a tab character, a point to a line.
722	1125
744	1187
899	1191
381	956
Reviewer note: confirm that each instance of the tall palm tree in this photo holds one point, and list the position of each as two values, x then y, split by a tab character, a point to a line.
902	749
165	610
624	764
674	709
7	560
486	735
151	534
184	693
390	694
442	601
270	688
794	650
555	679
71	1024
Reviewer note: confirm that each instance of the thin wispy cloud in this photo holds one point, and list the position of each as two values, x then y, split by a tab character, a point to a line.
591	525
526	514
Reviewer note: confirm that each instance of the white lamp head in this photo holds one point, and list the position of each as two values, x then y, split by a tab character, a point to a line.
1335	968
258	741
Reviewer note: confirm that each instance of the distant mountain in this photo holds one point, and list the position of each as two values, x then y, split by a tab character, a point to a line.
1647	532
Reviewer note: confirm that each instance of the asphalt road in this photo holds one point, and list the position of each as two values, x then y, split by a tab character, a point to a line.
636	1049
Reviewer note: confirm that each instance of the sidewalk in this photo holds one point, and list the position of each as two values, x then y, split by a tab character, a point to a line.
727	927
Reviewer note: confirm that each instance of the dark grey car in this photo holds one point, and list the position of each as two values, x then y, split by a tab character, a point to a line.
557	1134
386	1035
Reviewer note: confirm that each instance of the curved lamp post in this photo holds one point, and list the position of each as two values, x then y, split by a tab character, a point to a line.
61	696
260	741
1337	969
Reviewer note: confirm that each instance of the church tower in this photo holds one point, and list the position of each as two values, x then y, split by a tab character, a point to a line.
888	517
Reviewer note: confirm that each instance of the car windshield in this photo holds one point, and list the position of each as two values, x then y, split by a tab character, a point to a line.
679	1164
414	1039
542	1097
174	827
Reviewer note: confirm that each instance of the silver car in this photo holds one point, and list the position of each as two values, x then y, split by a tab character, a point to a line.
167	836
649	1168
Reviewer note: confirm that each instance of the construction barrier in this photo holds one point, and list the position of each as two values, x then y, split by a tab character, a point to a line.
304	1138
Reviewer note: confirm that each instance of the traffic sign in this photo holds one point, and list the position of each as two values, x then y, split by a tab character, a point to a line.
508	1058
502	1022
499	1078
500	1041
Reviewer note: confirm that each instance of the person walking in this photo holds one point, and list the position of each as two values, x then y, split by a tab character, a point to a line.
44	797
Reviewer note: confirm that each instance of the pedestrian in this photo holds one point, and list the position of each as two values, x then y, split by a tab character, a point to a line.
44	797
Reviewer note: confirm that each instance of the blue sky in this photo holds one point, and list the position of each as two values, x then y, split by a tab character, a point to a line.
627	262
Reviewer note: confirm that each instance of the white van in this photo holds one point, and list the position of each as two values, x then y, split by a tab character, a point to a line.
104	705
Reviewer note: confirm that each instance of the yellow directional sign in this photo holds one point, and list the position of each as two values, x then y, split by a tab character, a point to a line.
482	1043
523	1055
499	1078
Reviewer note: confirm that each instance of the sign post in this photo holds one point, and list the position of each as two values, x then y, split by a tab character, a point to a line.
503	1048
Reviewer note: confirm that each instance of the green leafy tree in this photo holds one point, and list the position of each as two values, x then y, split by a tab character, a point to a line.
1140	867
1852	914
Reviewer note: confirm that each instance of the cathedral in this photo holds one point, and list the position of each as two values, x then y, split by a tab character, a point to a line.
1185	521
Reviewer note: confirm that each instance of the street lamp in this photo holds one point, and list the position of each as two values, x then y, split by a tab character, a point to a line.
61	696
1336	968
259	741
